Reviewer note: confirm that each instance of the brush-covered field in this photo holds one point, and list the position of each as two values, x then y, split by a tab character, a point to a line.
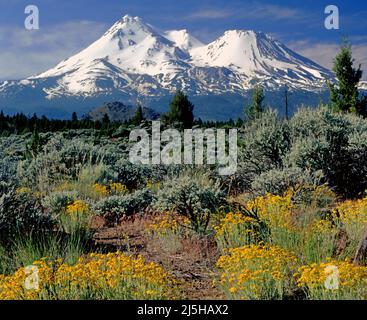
79	221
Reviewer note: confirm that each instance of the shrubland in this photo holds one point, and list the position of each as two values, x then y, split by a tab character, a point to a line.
296	206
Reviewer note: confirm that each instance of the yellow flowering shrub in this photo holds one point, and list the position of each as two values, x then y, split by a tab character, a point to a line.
23	190
319	240
65	186
117	188
168	230
97	276
322	226
77	217
77	207
153	185
236	230
351	215
352	211
110	189
275	210
167	223
101	190
257	272
333	280
323	195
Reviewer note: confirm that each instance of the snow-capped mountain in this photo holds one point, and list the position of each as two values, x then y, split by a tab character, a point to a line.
128	49
134	61
255	55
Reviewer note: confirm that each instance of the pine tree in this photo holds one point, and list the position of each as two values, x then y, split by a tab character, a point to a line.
239	123
74	117
257	108
138	117
286	102
105	127
35	145
74	121
181	110
344	96
106	121
2	121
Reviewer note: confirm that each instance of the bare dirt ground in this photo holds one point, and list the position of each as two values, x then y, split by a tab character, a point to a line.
190	260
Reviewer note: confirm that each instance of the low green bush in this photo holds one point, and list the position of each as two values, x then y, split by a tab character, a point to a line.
56	202
22	214
192	196
278	181
115	207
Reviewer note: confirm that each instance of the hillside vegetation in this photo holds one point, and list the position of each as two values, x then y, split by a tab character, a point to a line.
98	227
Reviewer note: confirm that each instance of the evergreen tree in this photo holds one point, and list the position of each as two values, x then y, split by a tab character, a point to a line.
35	144
2	121
239	123
74	117
74	121
181	110
106	121
344	96
257	108
286	102
105	129
138	117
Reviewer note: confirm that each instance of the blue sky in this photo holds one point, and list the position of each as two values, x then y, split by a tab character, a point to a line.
68	26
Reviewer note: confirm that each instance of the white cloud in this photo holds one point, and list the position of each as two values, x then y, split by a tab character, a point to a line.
24	53
252	10
276	12
324	53
210	14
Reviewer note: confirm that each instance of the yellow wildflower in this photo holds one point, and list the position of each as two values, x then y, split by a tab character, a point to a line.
77	207
100	276
257	272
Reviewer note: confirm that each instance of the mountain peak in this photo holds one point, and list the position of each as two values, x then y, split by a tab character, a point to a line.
129	46
239	34
129	25
257	55
129	18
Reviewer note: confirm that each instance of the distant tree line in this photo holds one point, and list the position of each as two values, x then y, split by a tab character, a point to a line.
180	112
22	124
